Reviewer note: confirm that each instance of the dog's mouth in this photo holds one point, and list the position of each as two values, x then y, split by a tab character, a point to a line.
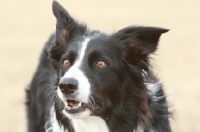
73	106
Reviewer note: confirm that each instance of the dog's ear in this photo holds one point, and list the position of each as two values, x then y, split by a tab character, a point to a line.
66	26
139	41
66	29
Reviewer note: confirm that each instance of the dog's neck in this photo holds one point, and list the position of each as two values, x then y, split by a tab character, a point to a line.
90	124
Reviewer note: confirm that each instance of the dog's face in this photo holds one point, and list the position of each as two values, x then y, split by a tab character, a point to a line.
89	77
92	67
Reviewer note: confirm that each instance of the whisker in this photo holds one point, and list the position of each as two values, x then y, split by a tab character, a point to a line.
93	101
52	93
97	94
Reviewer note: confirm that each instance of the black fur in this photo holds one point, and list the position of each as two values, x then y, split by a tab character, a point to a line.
126	102
38	104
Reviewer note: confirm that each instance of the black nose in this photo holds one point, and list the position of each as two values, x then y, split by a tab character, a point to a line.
68	85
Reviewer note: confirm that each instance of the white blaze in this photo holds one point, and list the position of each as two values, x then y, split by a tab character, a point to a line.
83	91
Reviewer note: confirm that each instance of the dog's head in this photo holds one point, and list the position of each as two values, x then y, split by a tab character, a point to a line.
98	72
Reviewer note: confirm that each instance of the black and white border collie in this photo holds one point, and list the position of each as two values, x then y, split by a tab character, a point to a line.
101	83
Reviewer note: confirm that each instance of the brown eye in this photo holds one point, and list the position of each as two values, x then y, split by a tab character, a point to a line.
101	64
66	63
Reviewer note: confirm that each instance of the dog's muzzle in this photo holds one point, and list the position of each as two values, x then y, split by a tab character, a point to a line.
68	87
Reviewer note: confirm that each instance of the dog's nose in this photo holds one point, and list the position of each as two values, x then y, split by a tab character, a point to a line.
68	85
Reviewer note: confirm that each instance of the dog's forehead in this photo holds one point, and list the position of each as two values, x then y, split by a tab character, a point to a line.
84	46
97	44
75	45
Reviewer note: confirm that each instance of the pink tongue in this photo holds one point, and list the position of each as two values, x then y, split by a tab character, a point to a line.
72	103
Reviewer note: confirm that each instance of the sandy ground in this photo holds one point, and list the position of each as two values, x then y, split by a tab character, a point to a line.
26	25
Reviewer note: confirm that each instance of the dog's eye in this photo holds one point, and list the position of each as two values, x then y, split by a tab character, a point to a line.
101	64
66	63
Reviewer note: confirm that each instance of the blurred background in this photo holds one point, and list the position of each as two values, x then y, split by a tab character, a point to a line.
25	25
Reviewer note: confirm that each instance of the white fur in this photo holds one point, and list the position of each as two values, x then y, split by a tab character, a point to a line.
90	124
153	87
83	92
139	129
84	114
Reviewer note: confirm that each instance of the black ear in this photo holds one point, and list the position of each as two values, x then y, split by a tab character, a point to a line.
139	40
66	29
66	26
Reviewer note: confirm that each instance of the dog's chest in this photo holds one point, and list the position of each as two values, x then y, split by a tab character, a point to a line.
90	124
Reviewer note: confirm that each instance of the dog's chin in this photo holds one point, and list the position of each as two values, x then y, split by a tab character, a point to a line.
75	109
79	115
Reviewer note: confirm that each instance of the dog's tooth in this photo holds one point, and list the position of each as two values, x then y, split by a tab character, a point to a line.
66	104
79	104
